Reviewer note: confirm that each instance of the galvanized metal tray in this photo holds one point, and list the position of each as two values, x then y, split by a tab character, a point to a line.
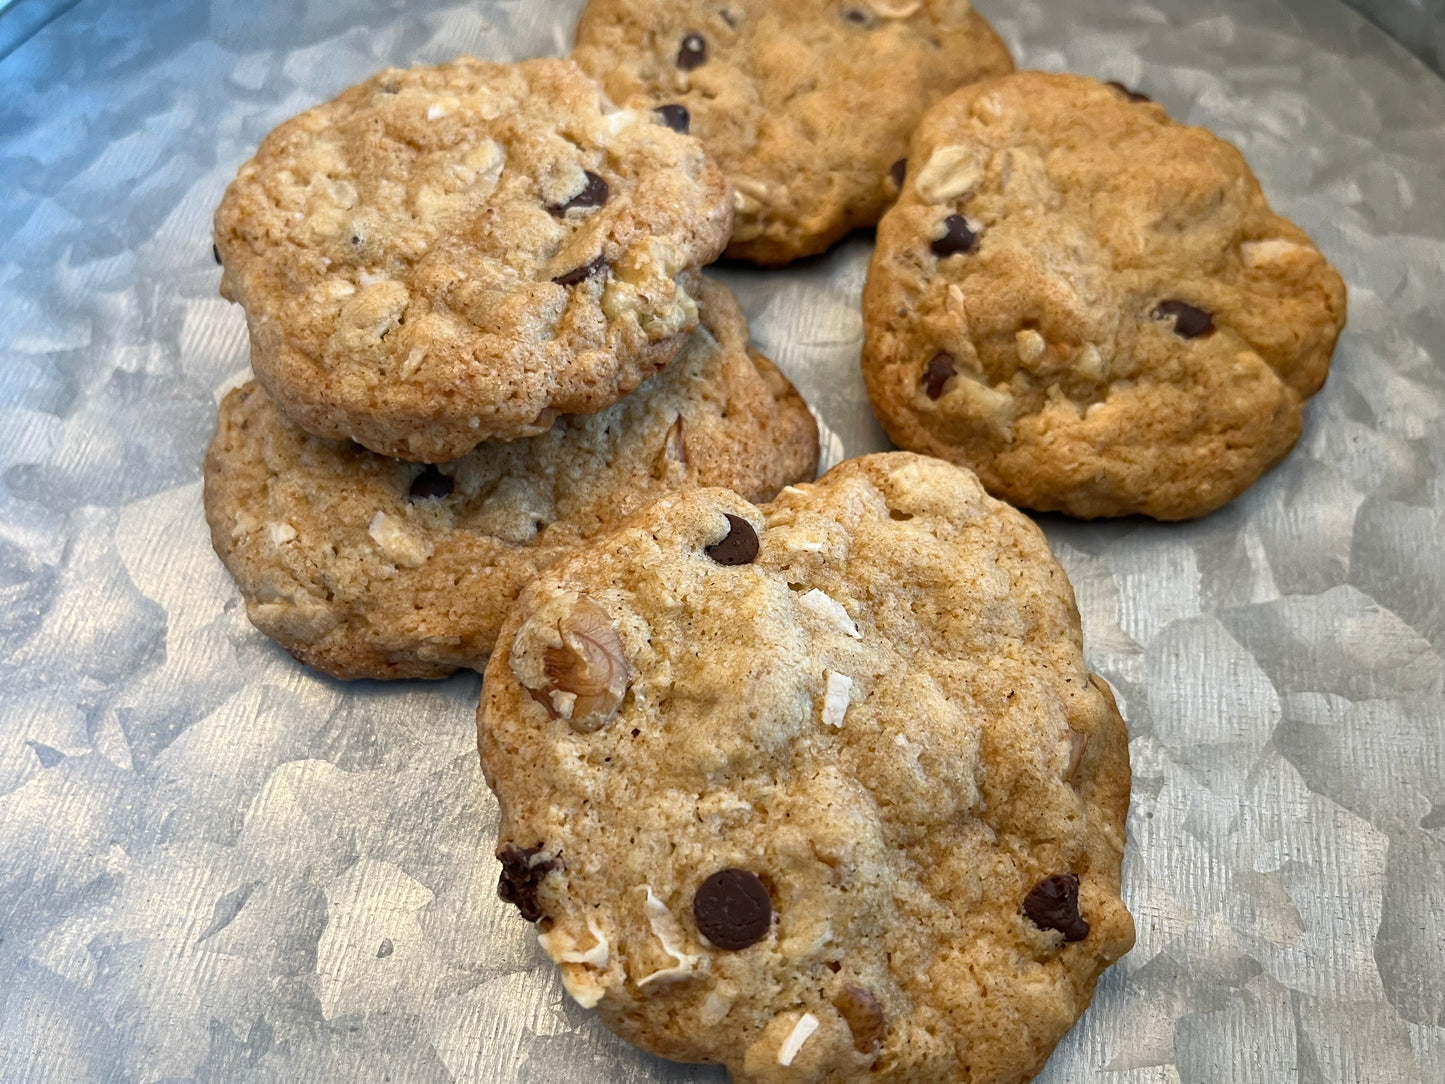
215	865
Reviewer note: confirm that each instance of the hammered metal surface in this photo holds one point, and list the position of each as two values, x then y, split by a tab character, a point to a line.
217	866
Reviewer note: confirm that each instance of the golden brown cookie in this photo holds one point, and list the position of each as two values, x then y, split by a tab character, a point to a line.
806	105
821	790
366	566
460	253
1091	305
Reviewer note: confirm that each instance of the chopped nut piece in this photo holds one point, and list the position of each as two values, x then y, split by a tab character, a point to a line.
583	674
864	1016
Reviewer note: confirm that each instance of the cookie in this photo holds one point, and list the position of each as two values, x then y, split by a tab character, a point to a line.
366	566
821	790
1091	305
807	106
460	253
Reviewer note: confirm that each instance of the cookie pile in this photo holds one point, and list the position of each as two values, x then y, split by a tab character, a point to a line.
456	281
805	778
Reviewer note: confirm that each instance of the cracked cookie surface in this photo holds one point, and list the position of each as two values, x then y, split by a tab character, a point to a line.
821	790
460	253
366	566
807	106
1091	305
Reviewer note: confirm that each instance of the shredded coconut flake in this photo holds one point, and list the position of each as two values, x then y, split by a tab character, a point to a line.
830	609
583	988
801	1033
397	541
835	697
715	1009
596	956
666	929
623	118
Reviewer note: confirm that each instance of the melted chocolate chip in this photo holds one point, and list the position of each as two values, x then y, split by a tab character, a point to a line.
521	877
1053	904
430	484
898	171
739	546
216	253
692	53
940	368
957	237
675	117
853	15
593	194
1132	95
583	273
1189	322
732	909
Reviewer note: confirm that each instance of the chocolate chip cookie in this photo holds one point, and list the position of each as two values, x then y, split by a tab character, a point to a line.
460	253
1091	305
822	789
367	566
807	106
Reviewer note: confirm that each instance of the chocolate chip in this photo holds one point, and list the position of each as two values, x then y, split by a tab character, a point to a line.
1053	904
692	53
957	237
739	546
430	484
675	117
898	171
1132	95
521	877
1189	322
863	1014
940	368
732	909
216	253
583	273
593	194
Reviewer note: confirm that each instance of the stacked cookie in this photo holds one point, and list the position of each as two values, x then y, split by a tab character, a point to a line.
480	336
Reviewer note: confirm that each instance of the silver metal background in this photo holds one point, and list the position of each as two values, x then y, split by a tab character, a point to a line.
217	866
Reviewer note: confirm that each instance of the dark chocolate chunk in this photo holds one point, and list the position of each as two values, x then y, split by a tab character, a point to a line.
593	194
1132	95
940	368
675	117
898	171
430	484
732	909
583	273
692	53
1189	322
863	1014
522	876
739	546
1053	904
957	237
216	253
